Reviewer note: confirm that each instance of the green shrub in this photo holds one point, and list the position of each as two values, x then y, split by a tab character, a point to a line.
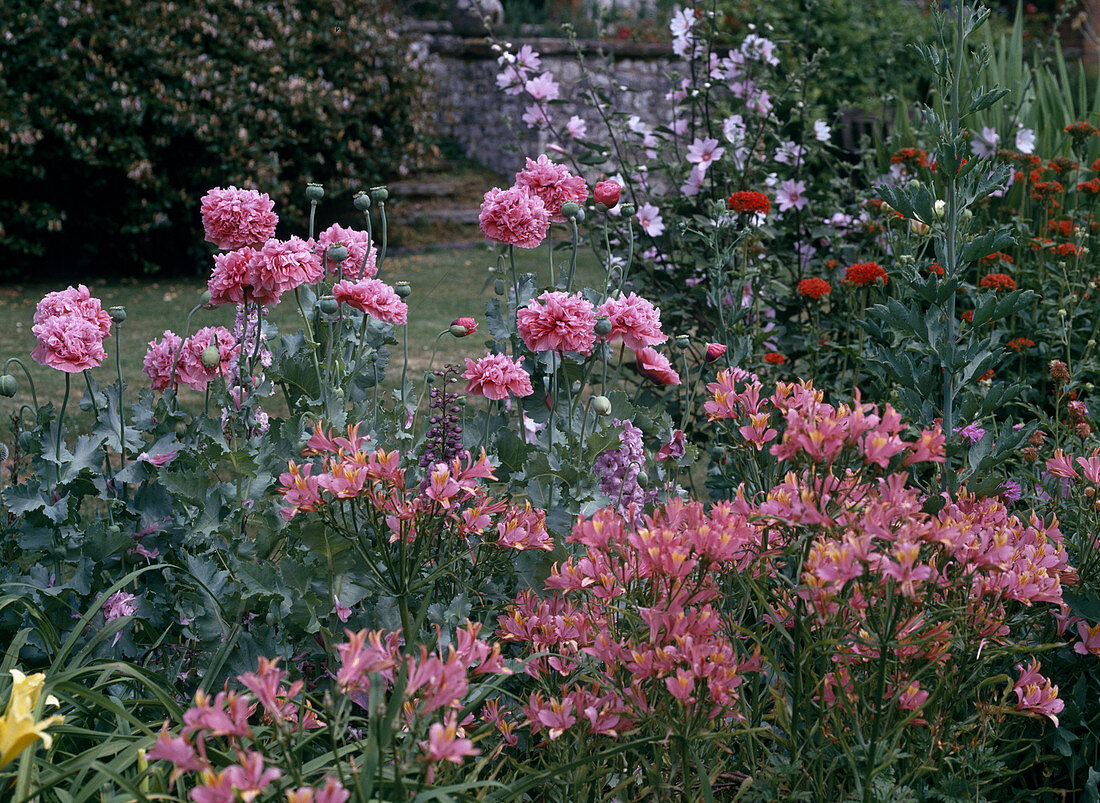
116	117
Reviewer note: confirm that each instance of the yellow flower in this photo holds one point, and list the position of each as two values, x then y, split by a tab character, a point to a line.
18	730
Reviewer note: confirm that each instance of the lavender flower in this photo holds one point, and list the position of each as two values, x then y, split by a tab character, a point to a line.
618	470
444	439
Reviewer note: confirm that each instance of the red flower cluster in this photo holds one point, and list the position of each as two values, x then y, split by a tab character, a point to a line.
1062	164
774	358
1063	227
996	256
749	201
910	157
998	281
814	287
935	268
1046	190
1018	344
1092	186
1066	250
862	274
1081	130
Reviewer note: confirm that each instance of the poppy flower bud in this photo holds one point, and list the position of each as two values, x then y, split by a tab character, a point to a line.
643	480
602	405
607	193
714	351
461	327
211	357
8	386
499	287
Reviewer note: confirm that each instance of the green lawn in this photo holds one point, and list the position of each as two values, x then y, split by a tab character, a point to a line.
445	285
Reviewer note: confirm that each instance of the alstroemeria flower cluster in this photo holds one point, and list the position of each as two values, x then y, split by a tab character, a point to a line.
70	326
452	497
634	635
245	764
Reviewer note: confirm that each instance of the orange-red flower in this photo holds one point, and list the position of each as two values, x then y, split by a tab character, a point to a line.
862	274
814	287
998	281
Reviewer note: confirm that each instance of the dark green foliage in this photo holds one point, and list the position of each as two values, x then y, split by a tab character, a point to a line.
115	118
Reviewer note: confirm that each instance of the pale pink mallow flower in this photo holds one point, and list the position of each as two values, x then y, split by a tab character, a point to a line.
281	266
543	87
495	376
514	216
74	301
375	298
230	281
649	218
553	184
704	152
161	358
362	259
119	604
576	127
791	195
69	343
233	218
634	319
557	321
192	371
656	366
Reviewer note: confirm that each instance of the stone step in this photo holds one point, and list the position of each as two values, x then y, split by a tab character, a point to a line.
423	188
461	216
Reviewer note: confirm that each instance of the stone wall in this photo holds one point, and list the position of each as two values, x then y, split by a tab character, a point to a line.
487	123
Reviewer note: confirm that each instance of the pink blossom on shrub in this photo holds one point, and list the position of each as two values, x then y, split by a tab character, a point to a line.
494	376
553	183
231	280
656	366
557	321
281	266
74	301
161	358
374	297
233	218
361	261
191	371
69	343
634	319
514	216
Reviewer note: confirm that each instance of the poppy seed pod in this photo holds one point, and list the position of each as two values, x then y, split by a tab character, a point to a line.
361	201
337	252
118	314
315	192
